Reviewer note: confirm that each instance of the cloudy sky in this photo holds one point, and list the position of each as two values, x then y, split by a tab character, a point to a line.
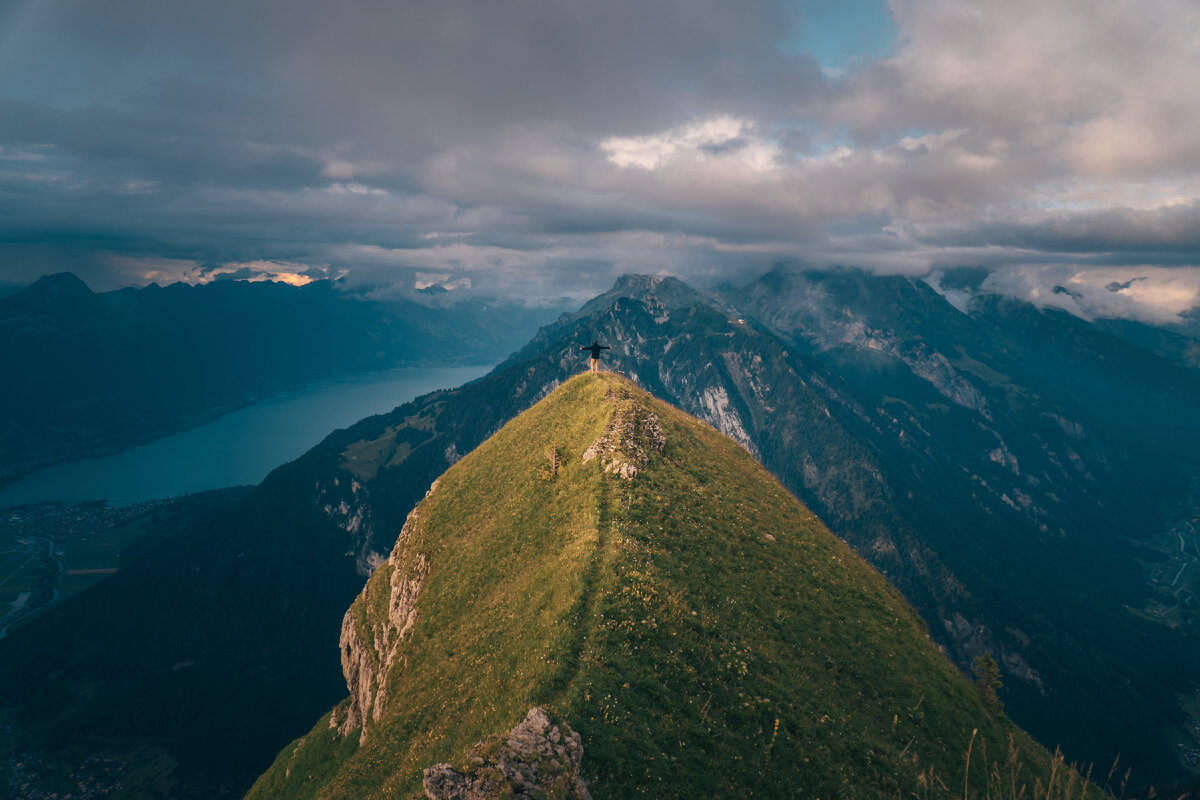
541	147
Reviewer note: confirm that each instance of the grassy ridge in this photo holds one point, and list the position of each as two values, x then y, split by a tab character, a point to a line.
505	548
701	629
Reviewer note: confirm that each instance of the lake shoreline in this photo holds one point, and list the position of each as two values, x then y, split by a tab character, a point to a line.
242	444
13	472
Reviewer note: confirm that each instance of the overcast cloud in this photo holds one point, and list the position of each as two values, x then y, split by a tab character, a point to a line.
541	148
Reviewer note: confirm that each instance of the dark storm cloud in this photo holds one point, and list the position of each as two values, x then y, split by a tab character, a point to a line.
542	147
397	76
1162	232
201	129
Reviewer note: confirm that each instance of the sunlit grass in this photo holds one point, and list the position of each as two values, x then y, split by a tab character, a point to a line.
698	626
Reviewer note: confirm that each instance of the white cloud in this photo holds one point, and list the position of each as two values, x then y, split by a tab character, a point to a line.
424	280
959	298
721	137
138	187
150	269
343	169
21	154
146	269
290	272
1155	295
355	188
930	142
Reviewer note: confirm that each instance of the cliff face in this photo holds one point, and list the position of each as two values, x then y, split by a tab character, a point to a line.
659	599
370	643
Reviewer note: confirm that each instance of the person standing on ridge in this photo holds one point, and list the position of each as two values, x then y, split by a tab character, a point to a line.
596	347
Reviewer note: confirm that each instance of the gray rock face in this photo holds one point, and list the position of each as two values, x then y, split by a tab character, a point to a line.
359	671
634	430
538	759
347	503
370	648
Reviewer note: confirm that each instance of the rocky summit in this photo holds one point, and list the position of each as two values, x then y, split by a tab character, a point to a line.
609	598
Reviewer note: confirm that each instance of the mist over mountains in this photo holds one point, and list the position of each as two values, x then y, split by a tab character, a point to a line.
1028	480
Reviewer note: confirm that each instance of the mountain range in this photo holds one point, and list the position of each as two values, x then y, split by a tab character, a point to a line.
1026	478
95	373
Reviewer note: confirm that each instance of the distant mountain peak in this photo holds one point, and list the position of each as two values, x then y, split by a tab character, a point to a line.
637	282
637	285
60	284
60	294
669	291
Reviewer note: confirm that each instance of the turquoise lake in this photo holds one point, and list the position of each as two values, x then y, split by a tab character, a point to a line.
238	448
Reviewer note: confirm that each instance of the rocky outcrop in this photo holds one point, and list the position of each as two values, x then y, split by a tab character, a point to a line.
347	503
537	759
358	667
370	643
625	446
719	412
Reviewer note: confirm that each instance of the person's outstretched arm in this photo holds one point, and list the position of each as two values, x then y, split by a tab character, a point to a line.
605	347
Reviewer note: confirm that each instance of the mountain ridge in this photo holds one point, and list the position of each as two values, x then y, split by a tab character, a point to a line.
610	557
917	484
934	492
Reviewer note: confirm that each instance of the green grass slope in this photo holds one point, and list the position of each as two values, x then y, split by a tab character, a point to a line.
702	630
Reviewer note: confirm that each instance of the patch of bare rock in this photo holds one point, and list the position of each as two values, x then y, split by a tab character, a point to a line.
538	759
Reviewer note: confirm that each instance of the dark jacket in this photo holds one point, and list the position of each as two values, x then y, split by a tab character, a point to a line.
596	347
